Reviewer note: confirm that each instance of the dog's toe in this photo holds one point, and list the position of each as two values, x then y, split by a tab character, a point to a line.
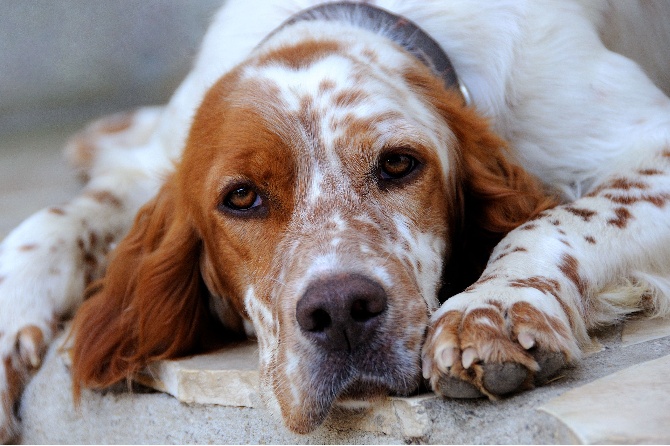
504	378
455	388
550	363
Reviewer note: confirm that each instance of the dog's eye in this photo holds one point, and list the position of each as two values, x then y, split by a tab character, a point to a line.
243	198
396	165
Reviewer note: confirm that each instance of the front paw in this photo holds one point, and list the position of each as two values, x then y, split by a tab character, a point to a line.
21	353
492	344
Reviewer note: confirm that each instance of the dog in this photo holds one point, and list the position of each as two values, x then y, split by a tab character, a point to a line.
386	194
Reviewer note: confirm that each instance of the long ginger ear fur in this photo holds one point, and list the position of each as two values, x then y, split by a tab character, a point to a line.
150	305
493	195
496	195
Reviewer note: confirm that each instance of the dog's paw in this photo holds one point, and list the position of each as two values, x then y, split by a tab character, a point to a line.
35	281
21	353
496	343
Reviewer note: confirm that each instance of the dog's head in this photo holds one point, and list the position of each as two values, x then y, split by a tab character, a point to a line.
326	186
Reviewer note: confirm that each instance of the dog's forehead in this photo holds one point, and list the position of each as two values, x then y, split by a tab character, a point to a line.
345	94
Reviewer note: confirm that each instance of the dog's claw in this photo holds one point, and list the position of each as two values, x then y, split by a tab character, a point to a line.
446	358
30	346
469	357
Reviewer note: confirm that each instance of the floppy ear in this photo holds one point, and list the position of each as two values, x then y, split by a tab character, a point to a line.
151	304
493	194
496	195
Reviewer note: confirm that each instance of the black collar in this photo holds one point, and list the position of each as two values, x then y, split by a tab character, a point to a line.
397	28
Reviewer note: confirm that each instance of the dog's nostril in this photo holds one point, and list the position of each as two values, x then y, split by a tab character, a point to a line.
367	308
319	321
340	312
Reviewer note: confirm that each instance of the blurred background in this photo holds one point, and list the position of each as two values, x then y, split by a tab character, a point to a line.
65	59
65	62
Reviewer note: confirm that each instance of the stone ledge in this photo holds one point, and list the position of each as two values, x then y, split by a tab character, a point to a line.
227	377
630	406
121	417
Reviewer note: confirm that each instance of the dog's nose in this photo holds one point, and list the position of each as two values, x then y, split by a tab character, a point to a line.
342	311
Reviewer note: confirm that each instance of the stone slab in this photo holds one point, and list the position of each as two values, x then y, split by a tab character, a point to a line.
227	377
136	417
643	329
629	406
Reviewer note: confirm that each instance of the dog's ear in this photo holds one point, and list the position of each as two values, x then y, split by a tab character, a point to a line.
493	195
150	305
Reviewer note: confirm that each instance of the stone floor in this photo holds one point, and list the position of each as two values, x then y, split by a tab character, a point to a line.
619	393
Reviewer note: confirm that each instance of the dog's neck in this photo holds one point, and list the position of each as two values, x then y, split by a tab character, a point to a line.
397	28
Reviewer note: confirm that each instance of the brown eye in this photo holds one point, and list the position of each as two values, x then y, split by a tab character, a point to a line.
243	198
396	166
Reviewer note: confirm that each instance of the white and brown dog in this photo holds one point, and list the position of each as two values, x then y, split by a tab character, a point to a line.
326	177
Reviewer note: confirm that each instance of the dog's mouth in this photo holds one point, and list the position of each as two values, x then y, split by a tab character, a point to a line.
343	382
364	392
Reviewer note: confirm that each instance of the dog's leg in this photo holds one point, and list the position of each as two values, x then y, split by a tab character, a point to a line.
573	268
47	261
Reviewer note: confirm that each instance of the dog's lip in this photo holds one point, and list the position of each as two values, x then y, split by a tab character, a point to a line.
359	394
362	390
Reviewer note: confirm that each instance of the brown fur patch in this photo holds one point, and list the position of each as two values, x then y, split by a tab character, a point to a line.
590	239
471	320
371	55
623	215
570	268
543	284
523	313
326	85
104	197
583	213
56	211
549	287
495	303
658	200
348	98
15	380
528	227
627	184
92	239
565	242
301	55
506	253
30	247
649	172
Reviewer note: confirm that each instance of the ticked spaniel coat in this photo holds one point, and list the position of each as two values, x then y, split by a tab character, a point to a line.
384	194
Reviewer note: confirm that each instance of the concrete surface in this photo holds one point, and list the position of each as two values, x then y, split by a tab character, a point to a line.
580	415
